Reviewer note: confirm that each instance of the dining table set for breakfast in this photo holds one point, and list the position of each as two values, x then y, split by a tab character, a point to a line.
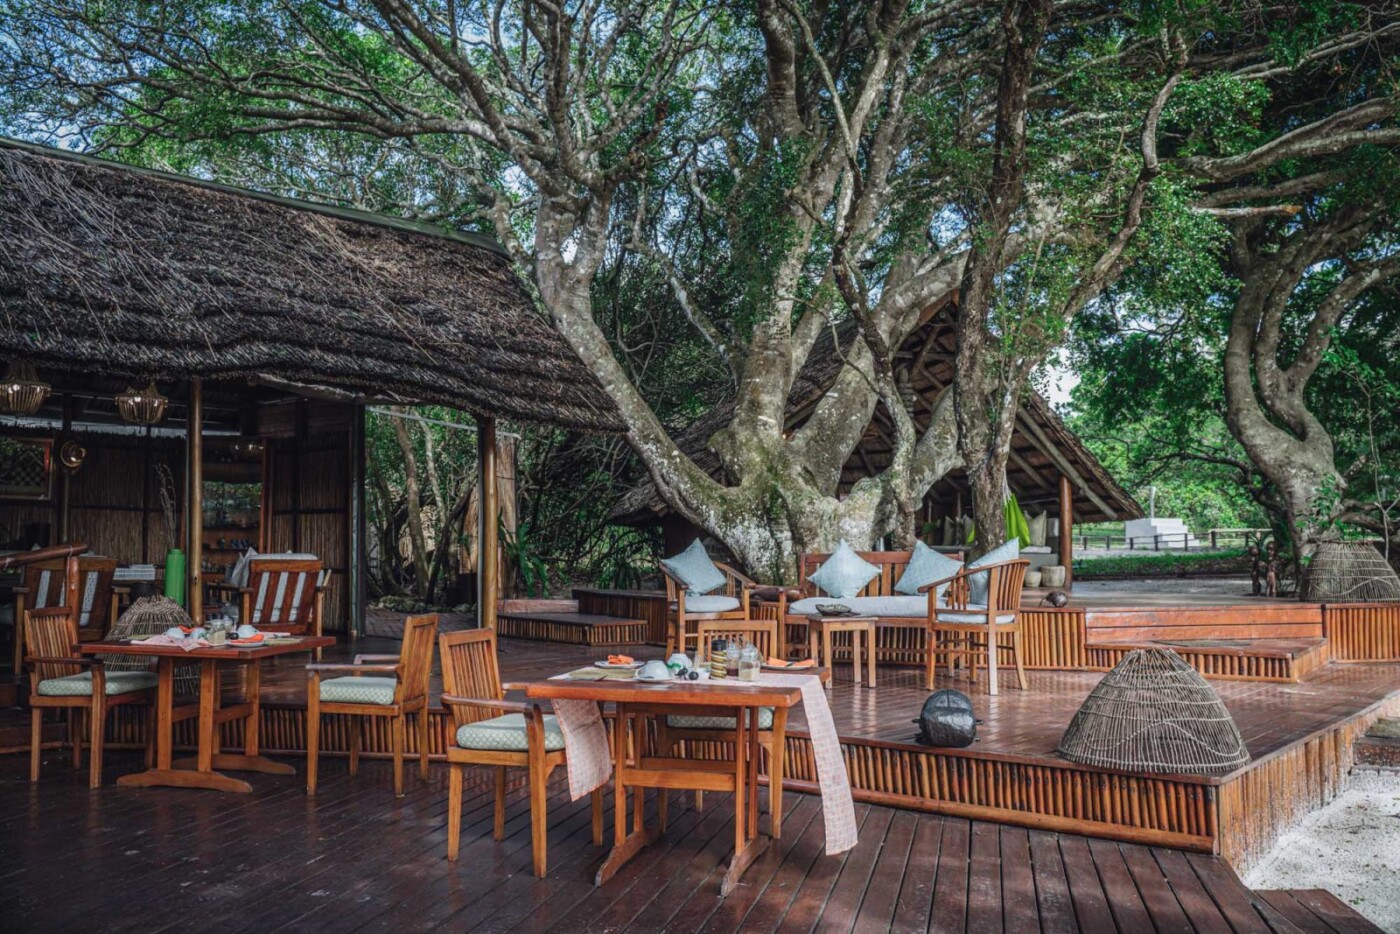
660	704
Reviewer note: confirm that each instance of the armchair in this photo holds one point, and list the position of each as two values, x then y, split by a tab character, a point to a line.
731	602
973	629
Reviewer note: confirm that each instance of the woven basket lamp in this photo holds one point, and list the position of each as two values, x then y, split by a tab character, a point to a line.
23	392
1154	713
142	406
151	616
1349	572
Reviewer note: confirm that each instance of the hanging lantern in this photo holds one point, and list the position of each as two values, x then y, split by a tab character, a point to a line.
23	392
142	406
72	454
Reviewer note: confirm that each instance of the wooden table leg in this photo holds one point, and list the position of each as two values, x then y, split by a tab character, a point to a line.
776	765
625	845
203	775
747	847
827	658
870	657
856	657
751	773
250	760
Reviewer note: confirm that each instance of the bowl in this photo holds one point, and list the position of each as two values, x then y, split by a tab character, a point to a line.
246	631
835	609
654	670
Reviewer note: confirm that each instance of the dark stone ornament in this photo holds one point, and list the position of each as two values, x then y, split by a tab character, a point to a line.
947	720
1056	598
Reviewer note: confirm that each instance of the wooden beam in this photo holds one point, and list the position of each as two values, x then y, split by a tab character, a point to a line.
1067	530
488	570
1035	475
1059	460
355	524
194	499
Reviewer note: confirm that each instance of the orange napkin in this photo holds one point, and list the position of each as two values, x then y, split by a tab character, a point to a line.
257	638
781	663
619	659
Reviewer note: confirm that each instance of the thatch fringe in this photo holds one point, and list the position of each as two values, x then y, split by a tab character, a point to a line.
1154	713
134	274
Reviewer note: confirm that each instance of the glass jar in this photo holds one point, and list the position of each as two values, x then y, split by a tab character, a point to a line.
732	653
719	658
750	661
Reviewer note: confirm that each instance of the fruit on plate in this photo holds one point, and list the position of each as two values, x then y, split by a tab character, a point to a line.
783	663
620	659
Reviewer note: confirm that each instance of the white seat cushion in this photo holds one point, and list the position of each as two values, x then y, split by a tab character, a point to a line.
508	733
710	603
892	607
685	722
361	690
953	616
80	685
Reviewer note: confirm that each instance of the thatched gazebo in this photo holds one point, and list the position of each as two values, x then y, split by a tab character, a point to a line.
1154	713
271	324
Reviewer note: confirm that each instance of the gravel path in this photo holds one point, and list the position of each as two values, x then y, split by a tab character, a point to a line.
1351	847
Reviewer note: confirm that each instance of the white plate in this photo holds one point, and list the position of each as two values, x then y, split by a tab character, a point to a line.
630	666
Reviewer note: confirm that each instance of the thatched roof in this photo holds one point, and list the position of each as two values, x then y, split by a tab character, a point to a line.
131	273
1043	447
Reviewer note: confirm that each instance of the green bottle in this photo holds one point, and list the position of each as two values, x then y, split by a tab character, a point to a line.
175	575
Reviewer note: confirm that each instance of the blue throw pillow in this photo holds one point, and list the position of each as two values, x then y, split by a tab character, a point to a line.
844	574
977	583
694	568
926	566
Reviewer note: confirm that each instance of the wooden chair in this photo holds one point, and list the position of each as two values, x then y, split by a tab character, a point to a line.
282	595
45	585
400	688
685	610
772	723
59	678
966	630
492	731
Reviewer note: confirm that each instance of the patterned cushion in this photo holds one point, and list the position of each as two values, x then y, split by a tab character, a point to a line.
713	603
695	569
80	685
358	690
952	616
508	733
844	574
925	567
684	722
977	583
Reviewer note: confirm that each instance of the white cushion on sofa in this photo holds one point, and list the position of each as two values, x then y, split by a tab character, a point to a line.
898	607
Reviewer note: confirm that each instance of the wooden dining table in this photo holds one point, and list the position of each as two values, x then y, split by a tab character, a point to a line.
202	770
637	701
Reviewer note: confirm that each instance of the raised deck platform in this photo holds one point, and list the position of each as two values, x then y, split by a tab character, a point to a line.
561	621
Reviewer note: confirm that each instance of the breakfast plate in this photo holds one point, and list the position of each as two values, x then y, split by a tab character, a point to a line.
618	666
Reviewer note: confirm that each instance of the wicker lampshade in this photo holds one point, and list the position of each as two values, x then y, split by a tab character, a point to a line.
1154	713
23	392
142	406
1355	572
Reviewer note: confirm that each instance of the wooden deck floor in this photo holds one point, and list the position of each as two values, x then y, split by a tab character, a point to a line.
356	859
1024	723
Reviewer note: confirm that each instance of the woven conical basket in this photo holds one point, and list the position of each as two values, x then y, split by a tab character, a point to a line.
1349	572
151	616
1154	713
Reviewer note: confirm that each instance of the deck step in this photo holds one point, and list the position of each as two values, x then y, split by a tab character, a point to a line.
571	628
1380	747
1275	660
1317	910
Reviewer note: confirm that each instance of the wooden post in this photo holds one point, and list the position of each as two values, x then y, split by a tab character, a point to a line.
488	584
1067	530
194	500
355	552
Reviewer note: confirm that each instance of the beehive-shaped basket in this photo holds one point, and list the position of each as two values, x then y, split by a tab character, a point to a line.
1349	572
1154	713
151	616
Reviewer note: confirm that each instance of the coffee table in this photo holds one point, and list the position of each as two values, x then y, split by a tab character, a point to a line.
822	627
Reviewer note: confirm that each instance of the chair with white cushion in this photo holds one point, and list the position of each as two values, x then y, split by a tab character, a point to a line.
61	679
491	731
45	586
966	629
726	598
390	686
279	593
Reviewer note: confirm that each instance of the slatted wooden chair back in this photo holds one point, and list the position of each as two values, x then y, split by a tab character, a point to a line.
470	669
282	593
1004	586
891	564
761	632
417	656
45	582
50	633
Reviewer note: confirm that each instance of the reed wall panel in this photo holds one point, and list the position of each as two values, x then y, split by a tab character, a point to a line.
520	625
1270	796
1363	632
